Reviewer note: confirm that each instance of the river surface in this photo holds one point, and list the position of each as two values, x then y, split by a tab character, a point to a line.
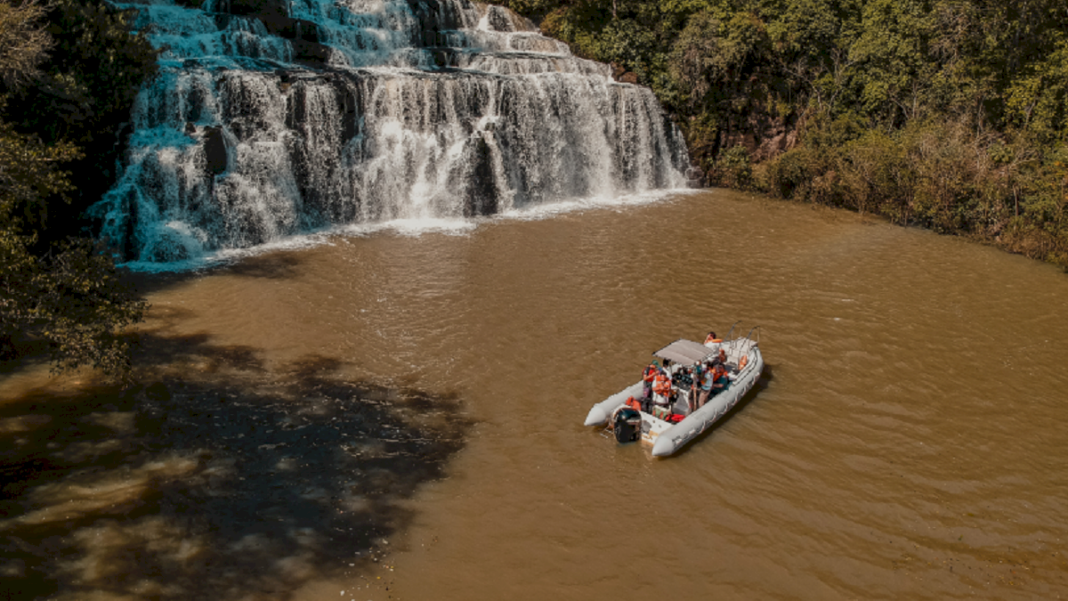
909	440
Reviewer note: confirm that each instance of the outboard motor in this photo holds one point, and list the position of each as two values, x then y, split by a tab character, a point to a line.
627	425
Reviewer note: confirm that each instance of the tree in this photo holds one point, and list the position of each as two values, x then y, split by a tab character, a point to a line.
67	292
83	93
22	43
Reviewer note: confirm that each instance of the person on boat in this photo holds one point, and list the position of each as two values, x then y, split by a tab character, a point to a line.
712	341
720	381
721	358
705	384
661	388
695	387
647	381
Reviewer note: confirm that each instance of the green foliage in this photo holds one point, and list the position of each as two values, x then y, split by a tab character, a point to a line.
1038	97
72	298
63	291
733	169
82	95
29	177
69	295
892	58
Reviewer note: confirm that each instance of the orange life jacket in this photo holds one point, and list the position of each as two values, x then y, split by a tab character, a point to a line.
661	384
719	373
650	373
710	340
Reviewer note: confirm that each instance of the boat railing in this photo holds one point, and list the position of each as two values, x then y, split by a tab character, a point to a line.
751	341
731	331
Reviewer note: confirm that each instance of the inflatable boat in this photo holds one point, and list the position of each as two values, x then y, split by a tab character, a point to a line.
668	428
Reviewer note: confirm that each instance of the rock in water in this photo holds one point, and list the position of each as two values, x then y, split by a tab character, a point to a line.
272	117
214	149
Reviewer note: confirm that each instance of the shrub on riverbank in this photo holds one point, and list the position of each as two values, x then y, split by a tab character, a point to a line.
948	177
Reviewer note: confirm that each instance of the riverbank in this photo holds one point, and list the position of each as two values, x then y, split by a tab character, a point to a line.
944	177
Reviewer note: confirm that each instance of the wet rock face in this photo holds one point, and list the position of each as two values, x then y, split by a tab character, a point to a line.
214	150
271	117
482	193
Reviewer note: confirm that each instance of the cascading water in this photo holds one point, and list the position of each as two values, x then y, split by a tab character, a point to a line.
272	117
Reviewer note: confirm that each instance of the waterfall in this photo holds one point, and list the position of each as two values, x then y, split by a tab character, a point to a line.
273	117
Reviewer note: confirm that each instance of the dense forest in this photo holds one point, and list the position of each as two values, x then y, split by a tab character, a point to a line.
947	114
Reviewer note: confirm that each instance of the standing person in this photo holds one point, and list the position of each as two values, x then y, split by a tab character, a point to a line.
706	385
684	387
662	389
647	382
695	387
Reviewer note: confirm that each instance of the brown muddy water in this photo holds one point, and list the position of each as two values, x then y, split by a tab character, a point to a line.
399	417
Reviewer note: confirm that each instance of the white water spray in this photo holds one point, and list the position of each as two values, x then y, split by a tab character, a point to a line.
274	117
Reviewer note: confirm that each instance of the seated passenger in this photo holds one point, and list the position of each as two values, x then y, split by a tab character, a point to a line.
712	341
721	358
720	381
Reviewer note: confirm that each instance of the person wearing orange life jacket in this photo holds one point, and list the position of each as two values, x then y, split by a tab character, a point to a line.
647	381
662	388
720	381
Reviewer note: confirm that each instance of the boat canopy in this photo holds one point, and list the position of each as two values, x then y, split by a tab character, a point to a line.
685	352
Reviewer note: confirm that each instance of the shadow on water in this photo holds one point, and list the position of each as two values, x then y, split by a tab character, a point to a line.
212	479
270	266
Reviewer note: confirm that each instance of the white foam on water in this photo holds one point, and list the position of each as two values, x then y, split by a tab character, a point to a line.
232	255
409	228
552	209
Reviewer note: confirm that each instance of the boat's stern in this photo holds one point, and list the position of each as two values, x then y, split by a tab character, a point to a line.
652	428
